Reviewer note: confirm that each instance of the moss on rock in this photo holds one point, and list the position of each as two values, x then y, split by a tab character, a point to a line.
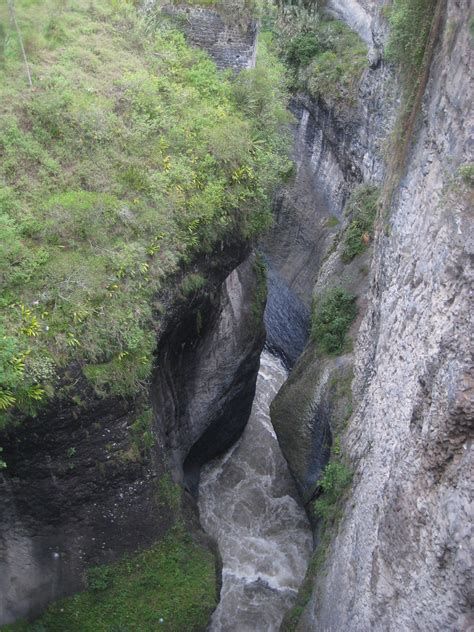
170	586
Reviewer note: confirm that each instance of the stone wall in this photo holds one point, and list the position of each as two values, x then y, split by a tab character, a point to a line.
225	30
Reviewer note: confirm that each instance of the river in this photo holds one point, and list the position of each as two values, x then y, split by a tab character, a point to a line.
248	503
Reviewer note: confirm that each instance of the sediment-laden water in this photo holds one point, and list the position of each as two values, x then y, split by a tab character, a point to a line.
247	501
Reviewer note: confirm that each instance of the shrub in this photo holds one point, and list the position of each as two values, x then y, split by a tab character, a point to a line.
192	283
467	173
332	316
302	48
327	58
142	431
362	208
335	479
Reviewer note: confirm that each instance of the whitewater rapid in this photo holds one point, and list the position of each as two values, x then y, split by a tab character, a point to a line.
248	503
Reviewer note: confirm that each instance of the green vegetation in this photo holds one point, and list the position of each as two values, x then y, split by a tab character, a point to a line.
129	157
362	208
466	173
292	617
260	292
168	494
2	462
325	56
410	24
335	479
332	222
249	6
332	316
173	581
192	283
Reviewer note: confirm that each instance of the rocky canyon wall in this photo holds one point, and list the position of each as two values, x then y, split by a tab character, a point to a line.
337	150
399	558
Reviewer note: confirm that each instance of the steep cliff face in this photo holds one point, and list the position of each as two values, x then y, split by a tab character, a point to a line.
364	16
401	556
207	366
336	147
399	559
336	150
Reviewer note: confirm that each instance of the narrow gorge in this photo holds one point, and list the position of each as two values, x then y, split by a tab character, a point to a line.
237	387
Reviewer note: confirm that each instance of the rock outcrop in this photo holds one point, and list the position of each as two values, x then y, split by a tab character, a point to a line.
207	367
400	558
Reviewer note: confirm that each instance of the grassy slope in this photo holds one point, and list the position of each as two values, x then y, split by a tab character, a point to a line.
130	155
173	581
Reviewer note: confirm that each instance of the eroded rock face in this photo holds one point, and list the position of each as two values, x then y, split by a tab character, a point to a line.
364	17
335	151
401	556
73	495
81	488
207	369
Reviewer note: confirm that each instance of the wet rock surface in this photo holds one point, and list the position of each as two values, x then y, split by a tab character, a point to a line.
207	368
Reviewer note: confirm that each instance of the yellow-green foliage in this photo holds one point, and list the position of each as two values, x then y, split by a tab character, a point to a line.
129	156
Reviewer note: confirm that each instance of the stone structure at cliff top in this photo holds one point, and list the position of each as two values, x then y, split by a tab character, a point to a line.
226	29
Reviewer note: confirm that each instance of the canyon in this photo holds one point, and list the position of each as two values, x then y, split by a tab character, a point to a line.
247	411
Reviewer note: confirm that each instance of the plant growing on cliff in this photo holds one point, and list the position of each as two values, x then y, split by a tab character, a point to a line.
260	291
192	283
362	209
335	479
327	507
332	315
466	172
324	55
410	23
